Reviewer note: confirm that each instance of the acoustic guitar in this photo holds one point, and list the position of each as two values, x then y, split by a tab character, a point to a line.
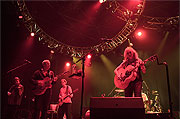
43	85
128	74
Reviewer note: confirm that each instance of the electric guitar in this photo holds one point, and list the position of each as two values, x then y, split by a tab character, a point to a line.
43	85
128	74
61	101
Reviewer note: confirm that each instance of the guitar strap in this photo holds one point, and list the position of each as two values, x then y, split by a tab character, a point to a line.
67	90
42	75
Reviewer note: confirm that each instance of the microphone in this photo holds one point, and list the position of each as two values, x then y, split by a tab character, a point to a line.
27	61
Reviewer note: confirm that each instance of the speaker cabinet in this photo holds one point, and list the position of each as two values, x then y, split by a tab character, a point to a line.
117	108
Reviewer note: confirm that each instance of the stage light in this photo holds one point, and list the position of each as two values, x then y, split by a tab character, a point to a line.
20	16
89	56
32	34
139	33
101	1
52	51
68	64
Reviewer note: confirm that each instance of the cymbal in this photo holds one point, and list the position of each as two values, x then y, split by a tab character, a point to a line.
154	91
119	91
155	94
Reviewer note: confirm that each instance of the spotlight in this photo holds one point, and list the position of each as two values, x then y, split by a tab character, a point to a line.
101	1
139	33
32	34
67	64
20	16
52	51
89	56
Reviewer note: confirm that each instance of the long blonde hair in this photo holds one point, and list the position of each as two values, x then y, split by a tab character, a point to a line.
135	54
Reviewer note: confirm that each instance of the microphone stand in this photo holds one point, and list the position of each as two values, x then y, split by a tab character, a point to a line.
82	90
168	84
112	91
83	75
17	67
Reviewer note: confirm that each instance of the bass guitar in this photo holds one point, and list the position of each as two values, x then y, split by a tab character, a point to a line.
43	85
61	101
127	75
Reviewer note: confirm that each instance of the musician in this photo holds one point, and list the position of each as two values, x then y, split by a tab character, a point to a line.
131	58
42	97
15	94
65	96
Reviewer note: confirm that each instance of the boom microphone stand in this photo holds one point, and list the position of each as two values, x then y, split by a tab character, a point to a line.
168	84
26	62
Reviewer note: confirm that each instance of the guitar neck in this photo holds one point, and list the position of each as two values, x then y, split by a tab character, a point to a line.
67	96
70	93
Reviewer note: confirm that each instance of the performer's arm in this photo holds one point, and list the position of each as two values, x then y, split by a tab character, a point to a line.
70	92
141	65
10	90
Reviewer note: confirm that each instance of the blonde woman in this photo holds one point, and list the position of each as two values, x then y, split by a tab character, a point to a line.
131	66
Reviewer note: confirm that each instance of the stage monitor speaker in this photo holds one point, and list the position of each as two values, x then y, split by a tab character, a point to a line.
117	108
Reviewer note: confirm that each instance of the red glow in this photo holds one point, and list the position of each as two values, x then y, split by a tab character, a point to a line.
101	1
89	56
20	17
68	64
52	51
32	34
139	33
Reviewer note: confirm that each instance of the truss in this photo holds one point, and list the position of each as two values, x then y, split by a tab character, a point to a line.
131	18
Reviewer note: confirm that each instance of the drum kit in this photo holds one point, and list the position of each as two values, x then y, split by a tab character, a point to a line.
151	100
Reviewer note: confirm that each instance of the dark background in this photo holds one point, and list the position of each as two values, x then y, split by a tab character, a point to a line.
64	21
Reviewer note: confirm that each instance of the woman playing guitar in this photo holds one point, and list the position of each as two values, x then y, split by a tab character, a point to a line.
128	74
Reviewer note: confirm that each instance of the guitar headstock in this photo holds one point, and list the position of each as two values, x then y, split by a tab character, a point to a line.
152	58
75	90
62	74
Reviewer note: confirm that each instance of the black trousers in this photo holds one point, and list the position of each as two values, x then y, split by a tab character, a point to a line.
65	109
134	86
42	103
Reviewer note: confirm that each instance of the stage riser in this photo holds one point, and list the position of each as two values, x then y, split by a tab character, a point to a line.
116	108
158	116
109	113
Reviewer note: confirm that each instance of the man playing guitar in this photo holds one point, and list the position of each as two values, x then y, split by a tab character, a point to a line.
129	70
42	80
65	95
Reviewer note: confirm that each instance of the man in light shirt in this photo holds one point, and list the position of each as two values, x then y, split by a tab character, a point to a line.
65	101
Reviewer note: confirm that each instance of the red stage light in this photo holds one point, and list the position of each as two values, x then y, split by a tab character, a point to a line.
52	51
101	1
20	17
32	34
68	64
139	33
89	56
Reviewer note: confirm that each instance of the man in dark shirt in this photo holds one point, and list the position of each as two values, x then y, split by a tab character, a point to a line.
42	80
15	94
